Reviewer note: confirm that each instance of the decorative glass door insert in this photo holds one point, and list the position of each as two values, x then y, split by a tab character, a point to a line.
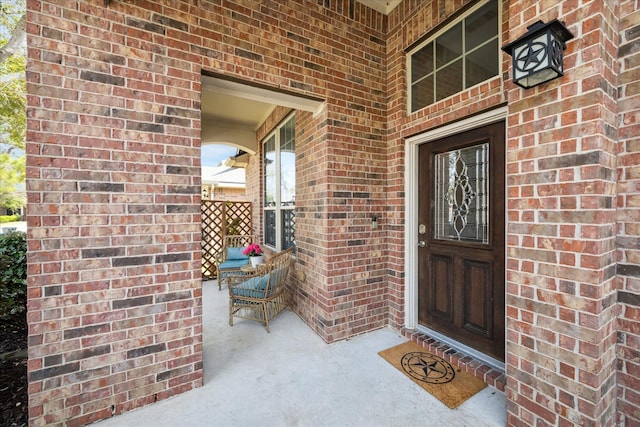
462	195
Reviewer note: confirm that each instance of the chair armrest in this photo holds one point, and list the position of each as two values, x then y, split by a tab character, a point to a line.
234	279
218	258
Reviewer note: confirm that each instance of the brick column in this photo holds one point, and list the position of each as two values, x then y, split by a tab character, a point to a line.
113	167
561	301
113	183
628	235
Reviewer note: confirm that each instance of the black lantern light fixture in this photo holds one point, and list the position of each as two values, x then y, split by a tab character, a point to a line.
537	55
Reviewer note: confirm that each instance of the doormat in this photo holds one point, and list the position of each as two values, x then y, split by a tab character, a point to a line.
447	383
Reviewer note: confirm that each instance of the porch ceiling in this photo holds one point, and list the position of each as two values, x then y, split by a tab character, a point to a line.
231	119
233	111
382	6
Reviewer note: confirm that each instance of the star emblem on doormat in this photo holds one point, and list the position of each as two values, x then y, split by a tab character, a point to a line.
428	368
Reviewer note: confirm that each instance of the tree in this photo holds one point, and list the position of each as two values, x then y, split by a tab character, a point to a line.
16	42
11	175
13	95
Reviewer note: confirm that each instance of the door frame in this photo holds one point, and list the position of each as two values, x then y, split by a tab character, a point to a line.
411	222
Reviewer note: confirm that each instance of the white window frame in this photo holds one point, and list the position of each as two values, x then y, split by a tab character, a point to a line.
278	208
431	39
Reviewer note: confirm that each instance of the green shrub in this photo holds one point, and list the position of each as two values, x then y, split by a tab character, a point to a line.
9	218
13	273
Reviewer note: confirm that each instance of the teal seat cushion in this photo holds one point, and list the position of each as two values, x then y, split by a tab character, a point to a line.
253	287
233	264
235	254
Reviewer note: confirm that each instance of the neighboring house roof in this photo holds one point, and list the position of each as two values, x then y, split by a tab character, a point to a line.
223	176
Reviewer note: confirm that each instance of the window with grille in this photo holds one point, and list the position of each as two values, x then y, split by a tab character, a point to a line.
463	54
279	173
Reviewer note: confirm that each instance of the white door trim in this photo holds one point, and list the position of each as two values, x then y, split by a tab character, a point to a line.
411	202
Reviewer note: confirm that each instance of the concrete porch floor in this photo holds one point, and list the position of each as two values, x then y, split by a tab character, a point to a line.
291	377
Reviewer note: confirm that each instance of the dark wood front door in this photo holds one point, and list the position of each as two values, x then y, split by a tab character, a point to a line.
461	238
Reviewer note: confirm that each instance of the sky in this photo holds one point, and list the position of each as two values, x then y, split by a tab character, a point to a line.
213	154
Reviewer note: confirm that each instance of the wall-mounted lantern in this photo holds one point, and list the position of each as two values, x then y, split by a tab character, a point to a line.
537	55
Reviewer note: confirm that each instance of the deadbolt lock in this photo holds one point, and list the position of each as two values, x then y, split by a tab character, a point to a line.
422	229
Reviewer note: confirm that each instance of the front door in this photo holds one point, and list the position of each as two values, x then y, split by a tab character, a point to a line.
461	238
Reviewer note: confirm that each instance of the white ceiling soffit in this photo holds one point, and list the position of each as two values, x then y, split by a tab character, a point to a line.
233	111
382	6
266	96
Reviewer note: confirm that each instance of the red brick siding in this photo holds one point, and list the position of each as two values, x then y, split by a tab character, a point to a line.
561	307
561	211
336	289
114	187
340	177
408	24
628	230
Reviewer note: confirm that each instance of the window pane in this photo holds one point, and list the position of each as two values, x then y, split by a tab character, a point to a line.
280	186
481	25
449	46
287	134
270	227
482	63
474	36
288	176
422	63
422	93
270	172
288	228
449	80
287	164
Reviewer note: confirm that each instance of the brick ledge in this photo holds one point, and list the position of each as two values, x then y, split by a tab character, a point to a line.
493	377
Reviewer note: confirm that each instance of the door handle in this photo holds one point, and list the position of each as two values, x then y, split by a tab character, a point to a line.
422	244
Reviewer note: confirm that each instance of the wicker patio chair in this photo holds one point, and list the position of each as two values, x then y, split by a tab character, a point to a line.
260	295
230	259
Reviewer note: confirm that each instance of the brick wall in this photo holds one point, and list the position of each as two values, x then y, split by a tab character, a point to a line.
408	24
561	181
339	287
113	156
561	160
113	169
113	164
628	215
